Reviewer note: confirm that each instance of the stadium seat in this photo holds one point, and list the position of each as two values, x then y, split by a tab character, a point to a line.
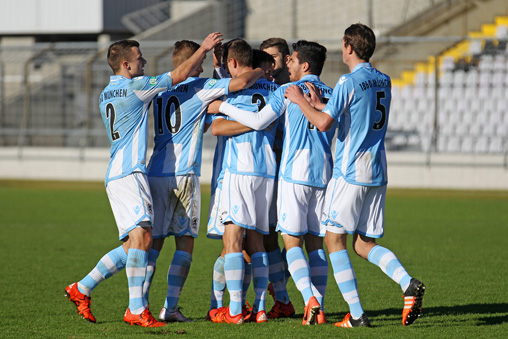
502	32
472	77
453	144
446	79
475	47
485	62
459	78
447	64
482	144
496	145
467	144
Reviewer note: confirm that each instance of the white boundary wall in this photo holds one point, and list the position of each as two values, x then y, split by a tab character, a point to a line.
405	170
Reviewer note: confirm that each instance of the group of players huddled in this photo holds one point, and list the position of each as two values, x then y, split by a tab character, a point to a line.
273	172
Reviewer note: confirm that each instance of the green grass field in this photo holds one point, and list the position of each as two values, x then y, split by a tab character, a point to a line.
53	233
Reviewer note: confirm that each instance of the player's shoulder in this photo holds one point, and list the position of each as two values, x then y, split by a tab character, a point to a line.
265	84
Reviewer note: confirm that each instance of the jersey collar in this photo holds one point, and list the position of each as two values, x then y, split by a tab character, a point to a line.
362	65
309	77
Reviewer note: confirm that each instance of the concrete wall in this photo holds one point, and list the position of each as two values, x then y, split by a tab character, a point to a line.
405	170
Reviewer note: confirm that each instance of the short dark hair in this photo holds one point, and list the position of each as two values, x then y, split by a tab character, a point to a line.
281	44
362	40
312	53
240	50
261	57
120	51
183	50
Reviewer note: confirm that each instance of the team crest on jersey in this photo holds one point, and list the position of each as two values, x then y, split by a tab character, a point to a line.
153	81
212	82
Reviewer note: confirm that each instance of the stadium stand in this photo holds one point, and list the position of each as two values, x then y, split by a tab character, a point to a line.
472	81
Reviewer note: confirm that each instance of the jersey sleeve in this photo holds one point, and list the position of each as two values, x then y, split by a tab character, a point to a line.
213	89
341	97
146	88
257	121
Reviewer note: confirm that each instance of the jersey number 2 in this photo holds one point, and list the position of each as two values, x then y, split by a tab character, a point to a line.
111	116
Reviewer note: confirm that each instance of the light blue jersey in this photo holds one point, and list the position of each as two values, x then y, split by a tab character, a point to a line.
218	155
251	153
179	124
124	106
361	103
306	155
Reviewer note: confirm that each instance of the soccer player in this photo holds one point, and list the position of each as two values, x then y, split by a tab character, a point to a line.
304	173
124	106
278	271
222	127
247	190
355	198
175	167
279	50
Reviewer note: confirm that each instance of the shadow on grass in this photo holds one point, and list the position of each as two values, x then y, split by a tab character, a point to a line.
459	310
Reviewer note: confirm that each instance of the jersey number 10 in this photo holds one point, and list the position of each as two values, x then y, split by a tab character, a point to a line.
172	105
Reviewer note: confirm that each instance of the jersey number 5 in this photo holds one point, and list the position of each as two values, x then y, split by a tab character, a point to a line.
171	104
111	116
381	108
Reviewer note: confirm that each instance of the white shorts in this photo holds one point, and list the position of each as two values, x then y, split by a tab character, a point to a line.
300	209
215	226
354	209
177	205
245	201
131	202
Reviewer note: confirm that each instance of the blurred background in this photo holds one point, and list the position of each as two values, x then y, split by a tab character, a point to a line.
448	60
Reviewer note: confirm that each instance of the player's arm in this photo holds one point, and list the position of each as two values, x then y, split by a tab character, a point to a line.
257	121
245	80
322	121
183	71
226	127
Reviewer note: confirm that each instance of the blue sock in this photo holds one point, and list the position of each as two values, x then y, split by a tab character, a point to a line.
277	275
247	277
136	272
390	265
319	274
110	264
150	271
260	281
234	267
346	279
218	283
300	271
177	274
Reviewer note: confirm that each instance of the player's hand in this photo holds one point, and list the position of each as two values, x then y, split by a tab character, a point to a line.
212	40
294	93
314	97
214	106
